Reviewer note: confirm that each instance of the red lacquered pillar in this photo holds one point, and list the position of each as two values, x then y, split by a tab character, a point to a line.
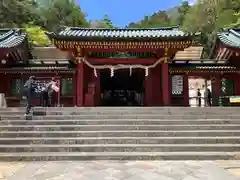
165	85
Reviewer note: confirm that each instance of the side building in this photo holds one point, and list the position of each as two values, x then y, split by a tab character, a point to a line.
19	61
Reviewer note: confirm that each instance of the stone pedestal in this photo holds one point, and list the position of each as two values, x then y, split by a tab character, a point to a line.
3	102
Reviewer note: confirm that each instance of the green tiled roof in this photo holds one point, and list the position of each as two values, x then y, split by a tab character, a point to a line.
230	37
75	33
209	66
11	38
37	68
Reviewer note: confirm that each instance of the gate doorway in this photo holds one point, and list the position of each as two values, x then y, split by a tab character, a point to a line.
123	88
201	84
54	99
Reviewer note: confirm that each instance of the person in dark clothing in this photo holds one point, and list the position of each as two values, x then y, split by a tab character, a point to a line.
209	97
44	98
199	98
29	86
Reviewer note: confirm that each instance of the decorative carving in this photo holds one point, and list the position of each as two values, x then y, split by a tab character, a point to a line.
79	51
166	51
121	45
165	60
122	55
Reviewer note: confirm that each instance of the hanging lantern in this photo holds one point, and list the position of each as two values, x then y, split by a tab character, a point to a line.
112	72
146	71
130	71
95	72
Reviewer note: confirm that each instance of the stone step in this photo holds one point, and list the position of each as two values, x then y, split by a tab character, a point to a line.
121	122
121	133
230	164
118	127
119	117
120	148
121	140
142	112
159	112
83	156
125	108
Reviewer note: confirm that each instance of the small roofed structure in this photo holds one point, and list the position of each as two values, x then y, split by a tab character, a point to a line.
193	53
49	56
19	61
227	46
13	46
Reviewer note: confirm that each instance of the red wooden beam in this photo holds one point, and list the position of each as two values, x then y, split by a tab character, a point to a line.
229	47
114	61
3	52
86	50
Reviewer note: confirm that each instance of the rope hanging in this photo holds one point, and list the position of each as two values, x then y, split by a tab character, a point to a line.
121	66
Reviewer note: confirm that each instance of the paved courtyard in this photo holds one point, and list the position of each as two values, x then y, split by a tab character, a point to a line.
103	170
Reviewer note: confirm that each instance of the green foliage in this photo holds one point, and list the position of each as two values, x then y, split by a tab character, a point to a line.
159	19
107	22
209	16
182	10
205	16
103	23
15	13
37	35
236	23
48	14
62	13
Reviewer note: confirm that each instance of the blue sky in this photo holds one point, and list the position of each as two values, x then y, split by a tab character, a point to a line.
122	12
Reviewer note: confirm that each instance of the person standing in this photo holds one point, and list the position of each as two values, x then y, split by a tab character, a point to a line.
29	86
199	98
209	97
44	96
47	92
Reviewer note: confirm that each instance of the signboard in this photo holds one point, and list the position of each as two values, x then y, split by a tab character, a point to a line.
234	99
177	84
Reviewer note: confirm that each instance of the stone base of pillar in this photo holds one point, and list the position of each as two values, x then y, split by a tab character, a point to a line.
3	102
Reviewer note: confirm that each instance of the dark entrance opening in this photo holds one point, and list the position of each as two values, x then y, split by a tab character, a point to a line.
123	89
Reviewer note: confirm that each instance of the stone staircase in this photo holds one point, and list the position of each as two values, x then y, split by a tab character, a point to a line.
120	133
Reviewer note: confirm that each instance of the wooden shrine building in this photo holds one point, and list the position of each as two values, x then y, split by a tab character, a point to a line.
92	64
114	59
18	61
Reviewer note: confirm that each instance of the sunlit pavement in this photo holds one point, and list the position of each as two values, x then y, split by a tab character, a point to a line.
101	170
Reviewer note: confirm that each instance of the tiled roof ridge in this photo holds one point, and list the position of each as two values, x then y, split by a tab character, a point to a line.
6	34
122	29
12	38
9	32
234	32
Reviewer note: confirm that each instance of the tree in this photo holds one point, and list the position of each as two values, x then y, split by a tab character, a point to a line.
55	15
208	17
37	36
235	24
107	21
158	19
182	11
15	13
103	23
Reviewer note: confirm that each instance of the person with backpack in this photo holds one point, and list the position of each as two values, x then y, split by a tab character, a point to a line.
30	87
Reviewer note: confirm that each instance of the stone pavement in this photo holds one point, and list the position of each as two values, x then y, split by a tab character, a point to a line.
107	170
